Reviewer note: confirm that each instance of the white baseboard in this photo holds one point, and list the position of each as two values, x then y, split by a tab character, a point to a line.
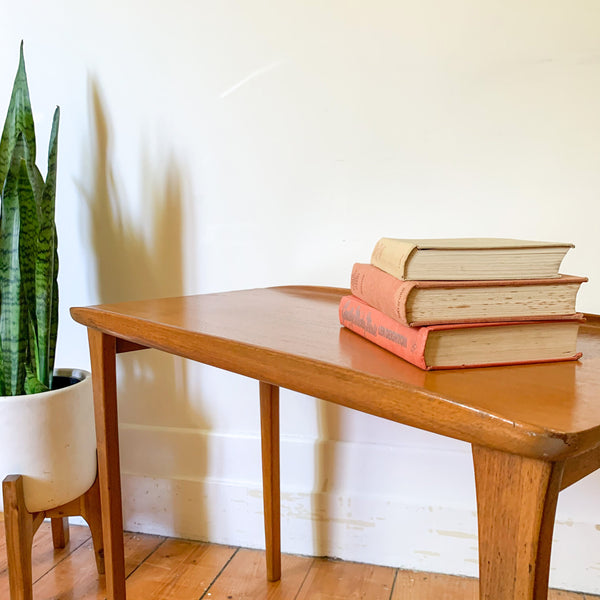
387	505
320	524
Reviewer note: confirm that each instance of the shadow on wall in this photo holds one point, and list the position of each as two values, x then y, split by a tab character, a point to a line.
137	260
144	259
326	465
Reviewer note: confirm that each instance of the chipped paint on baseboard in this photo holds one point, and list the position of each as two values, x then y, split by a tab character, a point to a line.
358	516
457	534
567	523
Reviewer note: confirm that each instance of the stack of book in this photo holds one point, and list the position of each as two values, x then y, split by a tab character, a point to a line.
452	303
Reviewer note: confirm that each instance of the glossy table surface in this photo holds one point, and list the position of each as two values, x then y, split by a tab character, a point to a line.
534	429
278	335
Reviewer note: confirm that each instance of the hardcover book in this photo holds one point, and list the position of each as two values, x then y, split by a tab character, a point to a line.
466	344
468	258
417	303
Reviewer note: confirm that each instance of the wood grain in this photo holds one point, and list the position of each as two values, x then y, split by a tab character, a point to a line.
76	577
334	580
88	507
269	427
244	578
579	466
291	337
565	595
413	585
70	573
516	505
20	527
45	556
527	424
60	531
178	570
103	359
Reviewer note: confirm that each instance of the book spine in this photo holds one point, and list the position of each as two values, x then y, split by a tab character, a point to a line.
381	290
391	256
406	342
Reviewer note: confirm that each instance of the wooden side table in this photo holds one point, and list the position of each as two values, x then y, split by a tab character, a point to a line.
534	429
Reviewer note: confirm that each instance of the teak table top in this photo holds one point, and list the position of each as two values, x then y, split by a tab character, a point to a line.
534	429
279	335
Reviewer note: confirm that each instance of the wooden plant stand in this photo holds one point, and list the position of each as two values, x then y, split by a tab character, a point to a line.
21	526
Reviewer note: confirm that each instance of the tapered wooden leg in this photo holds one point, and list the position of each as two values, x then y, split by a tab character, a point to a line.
269	421
87	506
516	505
20	526
91	511
60	532
103	354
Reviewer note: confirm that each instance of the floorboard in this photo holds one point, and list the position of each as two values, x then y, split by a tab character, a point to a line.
161	568
244	578
179	570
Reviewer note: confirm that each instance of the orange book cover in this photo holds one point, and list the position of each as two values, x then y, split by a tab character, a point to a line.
409	342
390	295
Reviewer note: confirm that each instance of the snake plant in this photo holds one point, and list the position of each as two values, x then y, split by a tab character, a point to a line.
28	250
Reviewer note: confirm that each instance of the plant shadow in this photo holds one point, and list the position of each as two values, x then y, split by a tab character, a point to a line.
143	259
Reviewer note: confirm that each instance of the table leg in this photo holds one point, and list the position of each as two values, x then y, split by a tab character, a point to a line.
269	426
516	505
103	357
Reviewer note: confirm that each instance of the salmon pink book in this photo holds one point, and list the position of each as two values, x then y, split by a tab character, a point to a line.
461	345
418	303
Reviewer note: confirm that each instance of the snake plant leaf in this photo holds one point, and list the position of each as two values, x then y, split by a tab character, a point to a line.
35	177
18	119
28	242
28	250
32	384
46	267
13	309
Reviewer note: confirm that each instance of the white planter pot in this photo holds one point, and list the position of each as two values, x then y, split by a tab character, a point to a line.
50	439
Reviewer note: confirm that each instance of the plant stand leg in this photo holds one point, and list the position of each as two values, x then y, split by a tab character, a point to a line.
90	511
88	507
60	532
20	527
516	505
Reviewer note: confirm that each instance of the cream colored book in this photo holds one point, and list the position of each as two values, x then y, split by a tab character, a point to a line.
468	258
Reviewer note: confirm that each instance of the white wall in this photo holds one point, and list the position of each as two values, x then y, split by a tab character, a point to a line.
208	146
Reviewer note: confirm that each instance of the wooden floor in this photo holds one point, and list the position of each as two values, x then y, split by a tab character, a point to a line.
161	568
